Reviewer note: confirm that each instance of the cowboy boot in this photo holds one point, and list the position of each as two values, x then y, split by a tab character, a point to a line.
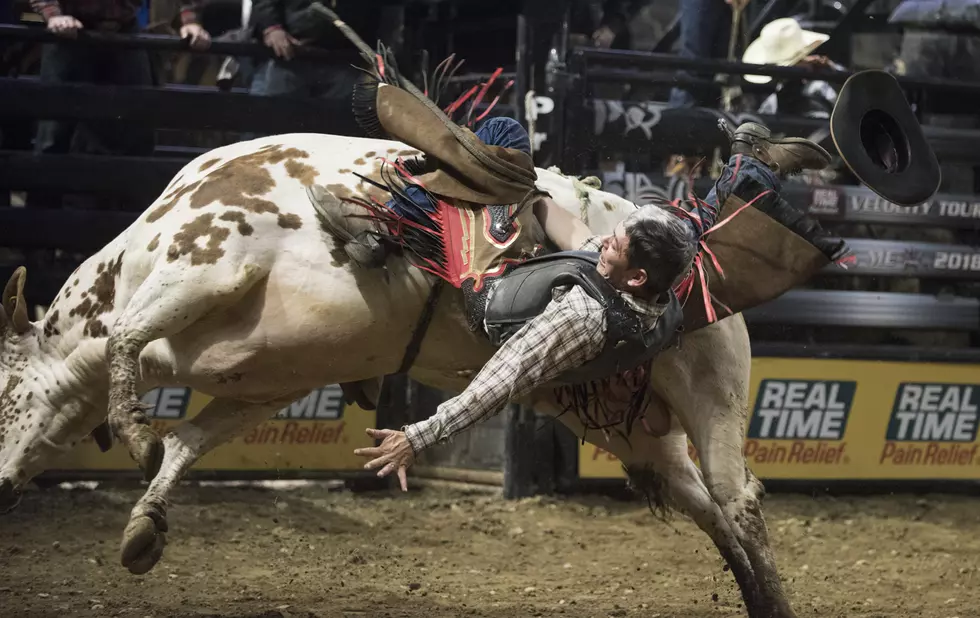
351	225
785	156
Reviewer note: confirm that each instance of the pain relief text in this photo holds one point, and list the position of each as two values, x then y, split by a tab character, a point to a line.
295	432
931	454
796	452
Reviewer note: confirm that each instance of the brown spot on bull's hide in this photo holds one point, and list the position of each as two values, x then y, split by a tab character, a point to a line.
68	293
341	191
75	282
172	199
209	163
370	154
392	150
95	328
101	296
360	162
339	257
343	170
51	324
409	153
185	241
153	243
290	222
236	216
301	171
240	181
608	205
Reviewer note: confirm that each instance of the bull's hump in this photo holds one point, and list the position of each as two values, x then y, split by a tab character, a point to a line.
241	183
244	181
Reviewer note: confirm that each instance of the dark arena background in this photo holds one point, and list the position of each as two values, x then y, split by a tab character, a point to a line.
871	492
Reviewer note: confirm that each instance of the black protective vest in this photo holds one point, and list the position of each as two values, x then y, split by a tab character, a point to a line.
524	292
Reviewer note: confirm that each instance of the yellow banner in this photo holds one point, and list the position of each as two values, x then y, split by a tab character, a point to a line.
851	420
317	433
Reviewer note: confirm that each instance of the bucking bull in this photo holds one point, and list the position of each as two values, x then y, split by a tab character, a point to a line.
231	284
228	279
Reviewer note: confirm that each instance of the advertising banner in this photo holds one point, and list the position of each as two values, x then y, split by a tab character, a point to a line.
816	419
316	433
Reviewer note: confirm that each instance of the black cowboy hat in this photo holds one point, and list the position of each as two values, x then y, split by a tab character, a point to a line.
879	138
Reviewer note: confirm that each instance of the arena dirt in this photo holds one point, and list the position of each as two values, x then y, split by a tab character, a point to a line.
446	552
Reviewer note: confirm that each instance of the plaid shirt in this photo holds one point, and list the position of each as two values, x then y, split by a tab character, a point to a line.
94	11
568	333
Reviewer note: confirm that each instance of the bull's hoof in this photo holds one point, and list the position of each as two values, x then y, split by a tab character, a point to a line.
142	545
146	449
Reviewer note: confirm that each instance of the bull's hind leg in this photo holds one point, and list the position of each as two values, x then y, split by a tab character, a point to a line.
739	493
706	384
221	420
662	470
170	299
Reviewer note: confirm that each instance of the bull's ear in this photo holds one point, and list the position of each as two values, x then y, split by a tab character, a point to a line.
14	303
103	436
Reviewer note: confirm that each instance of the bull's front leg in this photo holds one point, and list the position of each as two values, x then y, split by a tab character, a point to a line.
219	421
127	417
168	301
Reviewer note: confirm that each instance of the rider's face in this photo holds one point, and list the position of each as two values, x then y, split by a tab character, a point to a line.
614	262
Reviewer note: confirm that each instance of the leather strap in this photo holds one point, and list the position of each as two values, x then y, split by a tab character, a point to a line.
415	344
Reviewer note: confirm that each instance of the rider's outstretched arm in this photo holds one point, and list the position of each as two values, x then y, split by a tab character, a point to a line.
570	332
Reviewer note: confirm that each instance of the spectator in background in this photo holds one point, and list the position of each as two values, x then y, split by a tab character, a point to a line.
283	25
604	23
78	63
706	27
942	41
783	42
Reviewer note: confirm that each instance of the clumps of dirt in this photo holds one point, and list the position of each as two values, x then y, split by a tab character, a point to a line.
236	553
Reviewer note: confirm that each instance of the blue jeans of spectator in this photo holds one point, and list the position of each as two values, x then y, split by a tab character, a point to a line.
499	131
303	78
68	63
72	64
705	29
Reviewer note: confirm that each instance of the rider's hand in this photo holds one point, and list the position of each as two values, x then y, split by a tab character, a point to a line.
280	41
200	39
65	25
394	453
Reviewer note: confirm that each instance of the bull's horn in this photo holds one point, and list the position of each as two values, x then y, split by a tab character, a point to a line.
103	436
14	302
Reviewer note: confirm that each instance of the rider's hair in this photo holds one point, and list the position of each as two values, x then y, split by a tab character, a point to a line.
661	243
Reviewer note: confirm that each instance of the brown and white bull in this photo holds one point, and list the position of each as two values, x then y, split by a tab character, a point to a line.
228	279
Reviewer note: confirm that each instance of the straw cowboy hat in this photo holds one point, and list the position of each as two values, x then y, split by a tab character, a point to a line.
782	42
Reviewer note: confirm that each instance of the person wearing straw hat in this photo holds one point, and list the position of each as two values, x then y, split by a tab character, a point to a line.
783	42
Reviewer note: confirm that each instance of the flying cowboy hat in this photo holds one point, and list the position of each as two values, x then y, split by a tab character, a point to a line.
782	42
880	140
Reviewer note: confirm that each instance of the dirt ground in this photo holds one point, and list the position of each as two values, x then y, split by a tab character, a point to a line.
438	551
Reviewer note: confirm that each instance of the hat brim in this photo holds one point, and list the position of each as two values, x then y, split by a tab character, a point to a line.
880	140
757	53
